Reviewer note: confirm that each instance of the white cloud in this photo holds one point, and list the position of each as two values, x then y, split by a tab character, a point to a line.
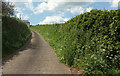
54	19
60	0
115	3
89	9
62	14
51	5
19	10
20	14
43	7
24	0
76	10
25	17
29	5
79	10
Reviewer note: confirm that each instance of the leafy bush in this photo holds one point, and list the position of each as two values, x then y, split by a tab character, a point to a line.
90	41
15	33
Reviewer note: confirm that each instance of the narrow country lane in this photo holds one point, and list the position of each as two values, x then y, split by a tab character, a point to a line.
37	57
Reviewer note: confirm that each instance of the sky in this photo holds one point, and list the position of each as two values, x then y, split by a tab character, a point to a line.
57	11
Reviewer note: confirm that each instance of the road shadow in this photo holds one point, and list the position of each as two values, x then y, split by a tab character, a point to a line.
26	46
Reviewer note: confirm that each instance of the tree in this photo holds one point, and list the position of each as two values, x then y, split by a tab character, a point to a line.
7	8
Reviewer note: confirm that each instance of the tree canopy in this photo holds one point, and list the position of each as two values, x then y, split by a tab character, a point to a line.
7	8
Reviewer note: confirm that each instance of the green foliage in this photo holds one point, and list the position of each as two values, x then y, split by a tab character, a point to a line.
90	41
15	33
7	8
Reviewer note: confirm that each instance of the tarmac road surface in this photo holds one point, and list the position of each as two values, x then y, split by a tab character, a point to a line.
37	57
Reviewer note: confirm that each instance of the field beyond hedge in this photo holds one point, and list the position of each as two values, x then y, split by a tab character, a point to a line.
90	41
15	33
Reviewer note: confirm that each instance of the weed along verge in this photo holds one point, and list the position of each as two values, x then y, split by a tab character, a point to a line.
89	41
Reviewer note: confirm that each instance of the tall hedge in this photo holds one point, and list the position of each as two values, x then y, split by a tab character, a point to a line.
89	41
15	33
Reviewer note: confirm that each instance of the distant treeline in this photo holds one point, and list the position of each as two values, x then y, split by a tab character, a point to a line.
89	41
15	33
